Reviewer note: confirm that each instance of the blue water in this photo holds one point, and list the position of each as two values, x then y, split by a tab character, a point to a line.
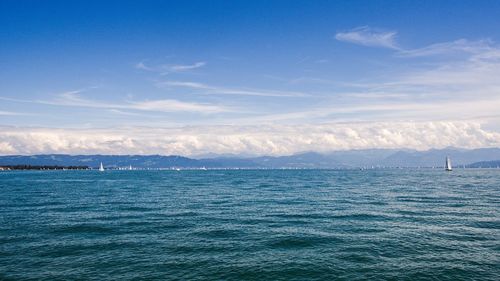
250	225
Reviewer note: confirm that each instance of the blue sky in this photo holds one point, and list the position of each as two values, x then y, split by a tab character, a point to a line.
247	77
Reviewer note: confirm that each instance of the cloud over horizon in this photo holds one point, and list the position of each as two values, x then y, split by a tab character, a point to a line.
256	140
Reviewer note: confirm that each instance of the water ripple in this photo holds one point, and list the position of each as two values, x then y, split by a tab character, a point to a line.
250	225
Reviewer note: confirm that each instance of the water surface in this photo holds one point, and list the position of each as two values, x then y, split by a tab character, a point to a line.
250	225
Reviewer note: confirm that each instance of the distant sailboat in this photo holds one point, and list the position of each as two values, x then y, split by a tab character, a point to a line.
130	168
101	168
447	166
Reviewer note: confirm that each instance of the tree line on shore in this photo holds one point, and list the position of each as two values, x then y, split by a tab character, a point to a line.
41	167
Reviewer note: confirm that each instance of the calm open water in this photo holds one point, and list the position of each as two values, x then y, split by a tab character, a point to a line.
250	225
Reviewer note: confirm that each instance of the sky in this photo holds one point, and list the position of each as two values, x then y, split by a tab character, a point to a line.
247	77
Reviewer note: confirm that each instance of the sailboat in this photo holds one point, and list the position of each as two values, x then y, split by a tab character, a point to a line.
101	168
130	168
447	166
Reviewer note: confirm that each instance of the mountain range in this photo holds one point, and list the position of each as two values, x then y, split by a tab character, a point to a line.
485	164
337	159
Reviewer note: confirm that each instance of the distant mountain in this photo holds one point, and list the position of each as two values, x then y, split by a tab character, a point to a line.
110	161
436	157
379	158
485	164
362	158
303	160
337	159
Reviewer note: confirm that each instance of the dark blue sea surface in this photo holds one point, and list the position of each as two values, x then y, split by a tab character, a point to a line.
250	225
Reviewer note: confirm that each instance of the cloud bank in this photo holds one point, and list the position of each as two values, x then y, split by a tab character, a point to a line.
257	140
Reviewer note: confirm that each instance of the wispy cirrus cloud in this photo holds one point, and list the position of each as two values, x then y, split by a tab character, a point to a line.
171	105
142	66
367	36
11	113
462	84
170	68
208	89
180	68
74	99
163	105
449	48
377	111
463	88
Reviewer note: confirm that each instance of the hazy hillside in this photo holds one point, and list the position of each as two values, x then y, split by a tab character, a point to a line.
339	159
485	164
150	161
436	157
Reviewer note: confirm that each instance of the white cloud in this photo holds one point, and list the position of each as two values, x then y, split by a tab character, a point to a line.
7	148
10	113
170	68
180	68
382	111
229	91
462	86
450	48
141	65
72	98
472	76
367	36
445	103
170	105
259	140
185	84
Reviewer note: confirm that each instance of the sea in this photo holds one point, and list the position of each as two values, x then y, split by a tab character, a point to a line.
376	224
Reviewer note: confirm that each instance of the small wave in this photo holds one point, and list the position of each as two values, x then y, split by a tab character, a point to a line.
361	217
83	228
136	209
218	233
490	224
183	214
292	242
64	250
300	216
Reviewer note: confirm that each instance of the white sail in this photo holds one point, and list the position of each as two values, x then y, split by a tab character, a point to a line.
101	168
130	167
448	164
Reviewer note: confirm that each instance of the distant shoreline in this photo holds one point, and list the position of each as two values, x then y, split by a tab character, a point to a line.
355	159
177	169
38	167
